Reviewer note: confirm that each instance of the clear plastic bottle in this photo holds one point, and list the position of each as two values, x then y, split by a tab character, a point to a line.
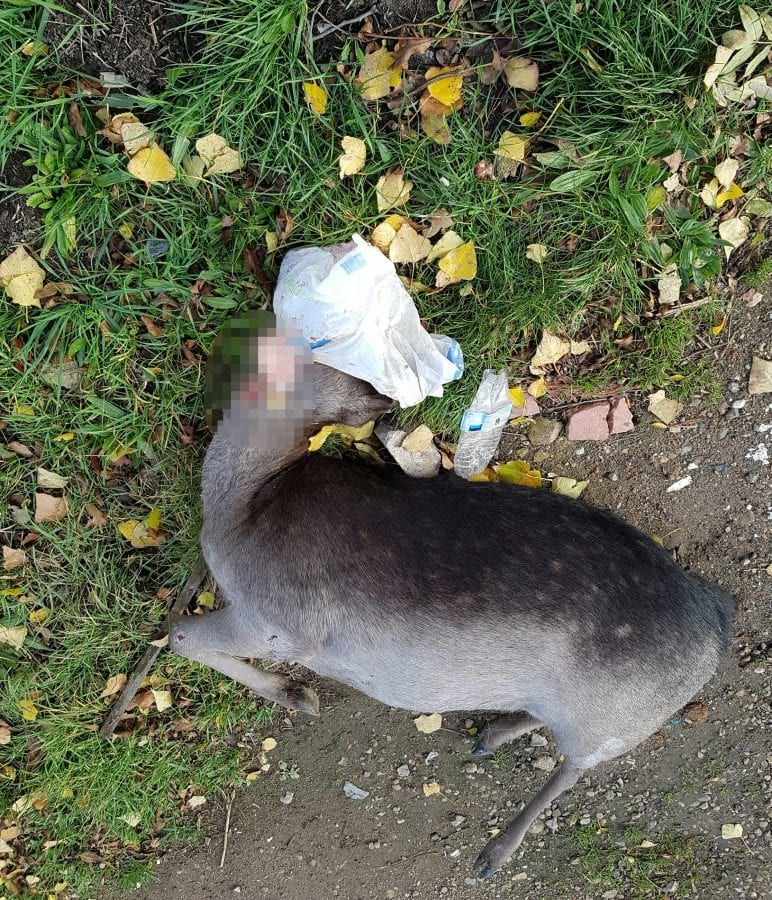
482	424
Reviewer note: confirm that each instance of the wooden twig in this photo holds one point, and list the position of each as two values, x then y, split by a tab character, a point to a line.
149	656
340	26
227	828
675	310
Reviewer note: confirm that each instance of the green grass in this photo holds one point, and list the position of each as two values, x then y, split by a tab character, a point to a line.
617	860
140	394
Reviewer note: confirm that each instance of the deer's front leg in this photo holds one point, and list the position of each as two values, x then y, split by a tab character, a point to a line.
214	640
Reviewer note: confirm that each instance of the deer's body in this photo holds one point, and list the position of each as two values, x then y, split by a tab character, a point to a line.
437	594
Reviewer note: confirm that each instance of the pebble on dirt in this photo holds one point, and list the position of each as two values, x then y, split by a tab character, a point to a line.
680	484
353	792
542	432
760	380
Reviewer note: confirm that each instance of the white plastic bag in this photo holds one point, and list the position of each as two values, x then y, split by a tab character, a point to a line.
359	319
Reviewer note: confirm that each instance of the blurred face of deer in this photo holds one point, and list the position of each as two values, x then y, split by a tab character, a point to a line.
260	383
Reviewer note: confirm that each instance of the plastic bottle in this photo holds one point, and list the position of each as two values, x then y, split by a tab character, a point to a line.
482	424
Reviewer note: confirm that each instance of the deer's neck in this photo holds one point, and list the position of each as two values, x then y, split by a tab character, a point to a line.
232	476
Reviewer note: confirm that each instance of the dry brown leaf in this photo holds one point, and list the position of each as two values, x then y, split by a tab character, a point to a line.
12	558
408	246
437	222
50	509
114	684
98	518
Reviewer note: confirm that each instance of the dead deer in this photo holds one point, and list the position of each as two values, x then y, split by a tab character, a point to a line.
432	594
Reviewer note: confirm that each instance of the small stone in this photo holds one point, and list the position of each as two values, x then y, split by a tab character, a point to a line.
542	432
470	768
719	468
404	771
354	792
545	763
470	882
287	798
738	404
431	756
468	723
760	380
680	484
537	827
723	433
538	740
458	820
734	386
730	832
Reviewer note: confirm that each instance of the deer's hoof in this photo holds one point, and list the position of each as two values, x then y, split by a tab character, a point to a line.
304	699
480	750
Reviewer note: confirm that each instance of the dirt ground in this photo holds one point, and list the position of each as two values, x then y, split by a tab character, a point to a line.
303	838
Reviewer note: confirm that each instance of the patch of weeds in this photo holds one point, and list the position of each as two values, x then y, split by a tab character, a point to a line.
760	276
288	771
502	758
640	864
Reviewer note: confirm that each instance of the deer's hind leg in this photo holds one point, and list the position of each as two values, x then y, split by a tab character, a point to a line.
213	639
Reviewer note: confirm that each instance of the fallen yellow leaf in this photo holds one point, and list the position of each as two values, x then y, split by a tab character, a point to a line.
316	97
376	77
460	264
521	73
536	252
163	700
13	636
435	128
449	241
569	487
551	348
512	147
408	246
136	135
350	432
718	327
382	236
21	277
36	616
519	472
206	600
28	710
517	397
151	165
431	788
65	436
487	474
218	156
446	89
537	388
143	534
353	157
392	189
529	119
34	48
428	724
731	193
268	744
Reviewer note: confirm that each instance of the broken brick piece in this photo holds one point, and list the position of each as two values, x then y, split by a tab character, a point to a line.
589	423
620	419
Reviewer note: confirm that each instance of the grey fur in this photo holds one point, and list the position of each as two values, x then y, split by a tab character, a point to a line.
439	595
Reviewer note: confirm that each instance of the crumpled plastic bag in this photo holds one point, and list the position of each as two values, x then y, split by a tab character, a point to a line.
358	318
